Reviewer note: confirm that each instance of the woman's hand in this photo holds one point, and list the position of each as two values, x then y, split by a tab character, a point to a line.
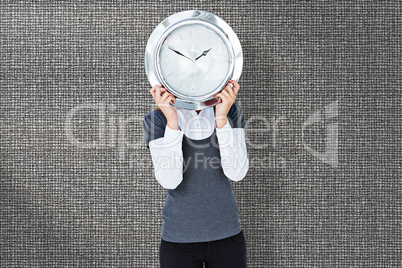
162	98
227	97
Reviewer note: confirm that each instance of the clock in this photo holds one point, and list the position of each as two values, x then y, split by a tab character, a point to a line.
193	54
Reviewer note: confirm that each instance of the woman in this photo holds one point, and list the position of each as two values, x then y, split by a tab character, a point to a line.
195	156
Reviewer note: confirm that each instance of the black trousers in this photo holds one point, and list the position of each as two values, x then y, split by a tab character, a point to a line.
229	252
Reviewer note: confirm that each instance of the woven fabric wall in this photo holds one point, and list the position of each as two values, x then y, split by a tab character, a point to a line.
320	92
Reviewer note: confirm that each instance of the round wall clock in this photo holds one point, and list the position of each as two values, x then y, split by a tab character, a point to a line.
193	54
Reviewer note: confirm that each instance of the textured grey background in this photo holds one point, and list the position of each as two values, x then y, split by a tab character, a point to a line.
72	72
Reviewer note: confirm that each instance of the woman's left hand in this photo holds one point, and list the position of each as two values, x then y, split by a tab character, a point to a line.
227	98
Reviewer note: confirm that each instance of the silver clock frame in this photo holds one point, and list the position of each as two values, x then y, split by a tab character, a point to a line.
162	31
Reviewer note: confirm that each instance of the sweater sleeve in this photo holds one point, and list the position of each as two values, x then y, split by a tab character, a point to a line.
232	145
165	147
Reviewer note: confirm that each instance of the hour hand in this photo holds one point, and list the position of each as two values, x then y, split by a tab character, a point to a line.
203	53
181	54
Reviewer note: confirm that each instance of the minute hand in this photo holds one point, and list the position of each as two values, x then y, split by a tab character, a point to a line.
180	53
203	53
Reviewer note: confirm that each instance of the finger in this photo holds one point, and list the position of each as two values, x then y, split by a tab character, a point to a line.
227	95
223	96
219	96
160	88
152	91
170	99
154	96
230	90
173	98
236	86
171	95
155	87
166	102
165	96
158	92
234	83
168	94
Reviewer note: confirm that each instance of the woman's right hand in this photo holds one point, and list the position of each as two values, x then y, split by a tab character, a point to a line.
162	98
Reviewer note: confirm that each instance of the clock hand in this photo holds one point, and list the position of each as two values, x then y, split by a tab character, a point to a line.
180	53
203	53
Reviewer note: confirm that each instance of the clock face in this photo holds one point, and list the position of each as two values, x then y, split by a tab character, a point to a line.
194	60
